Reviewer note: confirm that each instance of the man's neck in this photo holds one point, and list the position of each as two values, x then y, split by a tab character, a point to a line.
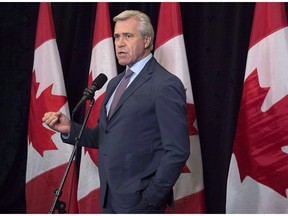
138	66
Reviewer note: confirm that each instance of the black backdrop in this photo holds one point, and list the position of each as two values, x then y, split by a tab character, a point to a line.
216	37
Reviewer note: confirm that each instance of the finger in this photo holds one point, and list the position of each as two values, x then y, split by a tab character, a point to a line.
46	116
58	114
53	121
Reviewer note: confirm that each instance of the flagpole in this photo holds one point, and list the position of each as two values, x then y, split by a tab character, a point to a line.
57	204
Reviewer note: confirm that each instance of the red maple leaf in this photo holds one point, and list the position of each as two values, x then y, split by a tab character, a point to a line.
260	137
39	136
93	154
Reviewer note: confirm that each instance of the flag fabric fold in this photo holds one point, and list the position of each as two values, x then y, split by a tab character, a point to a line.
102	61
258	173
47	156
171	54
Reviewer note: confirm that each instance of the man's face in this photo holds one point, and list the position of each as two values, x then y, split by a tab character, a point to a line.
130	46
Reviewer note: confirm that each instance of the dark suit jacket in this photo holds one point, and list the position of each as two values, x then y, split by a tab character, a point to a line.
145	144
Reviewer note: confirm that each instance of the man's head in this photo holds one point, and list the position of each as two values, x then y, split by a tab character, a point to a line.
133	35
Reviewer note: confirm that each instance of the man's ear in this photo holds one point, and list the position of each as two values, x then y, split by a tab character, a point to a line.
147	40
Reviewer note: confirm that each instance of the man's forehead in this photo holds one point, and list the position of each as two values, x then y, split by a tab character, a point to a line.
128	23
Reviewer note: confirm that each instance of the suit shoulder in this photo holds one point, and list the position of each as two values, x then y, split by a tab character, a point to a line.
165	74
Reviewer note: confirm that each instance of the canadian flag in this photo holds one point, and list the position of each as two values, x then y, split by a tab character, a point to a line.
258	174
47	155
171	54
102	61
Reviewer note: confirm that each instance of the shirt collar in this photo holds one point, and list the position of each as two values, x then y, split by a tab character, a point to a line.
138	66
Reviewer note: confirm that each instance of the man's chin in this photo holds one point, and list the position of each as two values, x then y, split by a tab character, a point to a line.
123	63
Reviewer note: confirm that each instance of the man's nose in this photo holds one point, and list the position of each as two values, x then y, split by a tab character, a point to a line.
120	42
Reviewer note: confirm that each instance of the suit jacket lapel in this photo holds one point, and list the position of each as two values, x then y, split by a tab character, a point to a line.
143	76
112	86
109	91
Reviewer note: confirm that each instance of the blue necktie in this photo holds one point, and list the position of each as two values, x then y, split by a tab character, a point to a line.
121	88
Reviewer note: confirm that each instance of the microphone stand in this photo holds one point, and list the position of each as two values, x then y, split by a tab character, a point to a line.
57	204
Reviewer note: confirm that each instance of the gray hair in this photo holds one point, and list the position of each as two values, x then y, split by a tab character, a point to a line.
145	27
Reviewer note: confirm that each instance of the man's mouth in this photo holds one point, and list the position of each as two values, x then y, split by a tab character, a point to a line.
122	53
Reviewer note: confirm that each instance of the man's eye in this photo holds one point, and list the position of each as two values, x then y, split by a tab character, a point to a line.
128	36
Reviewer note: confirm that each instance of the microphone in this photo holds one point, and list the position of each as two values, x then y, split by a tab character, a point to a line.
88	93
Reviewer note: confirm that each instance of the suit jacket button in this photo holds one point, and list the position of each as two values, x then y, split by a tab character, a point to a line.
107	131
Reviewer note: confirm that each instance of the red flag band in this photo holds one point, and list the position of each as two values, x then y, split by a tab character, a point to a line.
257	180
47	155
101	62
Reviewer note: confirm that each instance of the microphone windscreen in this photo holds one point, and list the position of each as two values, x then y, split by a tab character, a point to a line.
99	81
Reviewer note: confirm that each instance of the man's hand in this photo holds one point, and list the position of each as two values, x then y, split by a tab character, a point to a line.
57	121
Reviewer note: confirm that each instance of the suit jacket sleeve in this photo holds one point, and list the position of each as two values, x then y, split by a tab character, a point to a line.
171	116
89	138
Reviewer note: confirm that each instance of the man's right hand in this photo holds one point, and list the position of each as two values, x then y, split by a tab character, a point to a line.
57	121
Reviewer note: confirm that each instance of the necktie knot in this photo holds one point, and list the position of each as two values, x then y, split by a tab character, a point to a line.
128	74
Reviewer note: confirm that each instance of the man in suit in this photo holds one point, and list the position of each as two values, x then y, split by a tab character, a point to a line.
143	140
